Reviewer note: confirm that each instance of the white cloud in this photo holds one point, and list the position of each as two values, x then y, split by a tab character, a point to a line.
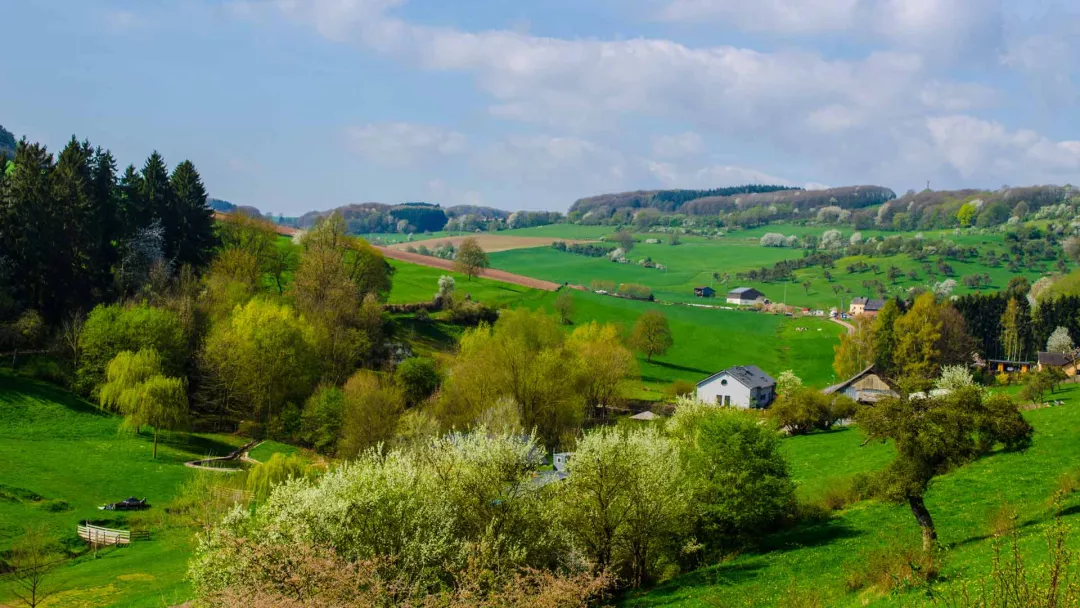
404	143
672	175
123	20
789	16
678	146
988	149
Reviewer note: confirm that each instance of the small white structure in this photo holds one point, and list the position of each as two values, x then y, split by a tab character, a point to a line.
560	459
745	296
742	386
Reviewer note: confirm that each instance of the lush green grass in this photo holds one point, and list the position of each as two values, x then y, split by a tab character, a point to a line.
812	560
415	283
693	263
60	448
708	340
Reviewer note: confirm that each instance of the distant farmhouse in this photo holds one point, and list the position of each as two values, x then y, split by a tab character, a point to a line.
743	386
865	306
865	387
1066	362
705	292
745	296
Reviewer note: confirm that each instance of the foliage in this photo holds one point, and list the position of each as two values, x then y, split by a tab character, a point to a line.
604	367
787	382
470	259
651	334
371	409
954	378
258	360
1060	341
262	479
739	482
1011	339
802	410
418	379
137	389
322	418
917	335
626	501
856	351
936	434
32	558
109	330
564	307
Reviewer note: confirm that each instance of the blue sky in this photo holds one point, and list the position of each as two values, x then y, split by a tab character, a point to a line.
292	105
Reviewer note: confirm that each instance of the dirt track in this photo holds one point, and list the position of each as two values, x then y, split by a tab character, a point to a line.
497	275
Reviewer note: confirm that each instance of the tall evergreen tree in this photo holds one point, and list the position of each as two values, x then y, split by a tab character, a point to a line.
195	239
885	337
157	195
134	213
106	205
72	264
27	204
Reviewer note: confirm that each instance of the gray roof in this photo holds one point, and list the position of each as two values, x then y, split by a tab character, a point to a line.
868	303
836	388
749	376
1054	359
743	290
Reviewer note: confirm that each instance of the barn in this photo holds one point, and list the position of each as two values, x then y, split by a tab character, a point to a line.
745	296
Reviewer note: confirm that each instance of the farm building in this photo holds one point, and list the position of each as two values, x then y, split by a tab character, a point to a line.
1004	366
1066	362
865	306
866	387
743	386
704	292
745	296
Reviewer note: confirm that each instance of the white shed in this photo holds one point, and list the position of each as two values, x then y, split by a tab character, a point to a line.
743	386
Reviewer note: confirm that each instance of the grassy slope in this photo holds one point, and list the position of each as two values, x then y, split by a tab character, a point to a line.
705	340
62	448
693	262
813	560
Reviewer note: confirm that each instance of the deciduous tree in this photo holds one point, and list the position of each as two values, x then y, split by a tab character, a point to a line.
470	258
651	334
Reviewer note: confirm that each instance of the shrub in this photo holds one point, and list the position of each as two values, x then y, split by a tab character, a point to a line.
472	313
417	378
322	418
682	388
803	410
598	285
635	291
893	568
262	479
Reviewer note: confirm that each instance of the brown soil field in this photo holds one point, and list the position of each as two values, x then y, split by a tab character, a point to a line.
489	242
487	273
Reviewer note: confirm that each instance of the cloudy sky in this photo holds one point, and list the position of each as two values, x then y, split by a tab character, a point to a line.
291	105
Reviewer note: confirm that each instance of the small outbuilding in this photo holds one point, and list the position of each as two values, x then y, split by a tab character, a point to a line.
1004	366
742	386
705	292
745	296
865	387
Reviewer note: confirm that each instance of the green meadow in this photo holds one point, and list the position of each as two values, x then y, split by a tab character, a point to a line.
62	458
812	563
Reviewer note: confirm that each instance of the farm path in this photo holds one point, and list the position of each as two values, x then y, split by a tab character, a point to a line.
850	328
487	273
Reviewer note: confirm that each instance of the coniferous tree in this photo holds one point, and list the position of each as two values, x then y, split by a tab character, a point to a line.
28	205
132	208
107	221
195	238
157	195
885	336
74	211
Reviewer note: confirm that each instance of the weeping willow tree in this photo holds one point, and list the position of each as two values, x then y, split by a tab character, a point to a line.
136	389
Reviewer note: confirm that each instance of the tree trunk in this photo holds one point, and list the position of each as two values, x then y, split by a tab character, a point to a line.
922	515
155	448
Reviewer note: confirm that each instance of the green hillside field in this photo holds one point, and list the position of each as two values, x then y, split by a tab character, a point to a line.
61	458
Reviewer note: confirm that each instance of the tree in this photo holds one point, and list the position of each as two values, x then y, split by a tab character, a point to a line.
109	330
322	418
564	306
625	240
470	258
418	379
262	479
371	410
1011	338
787	382
1071	246
1060	341
626	501
32	559
933	435
856	350
739	482
885	336
651	334
604	366
917	335
803	410
258	360
138	390
194	240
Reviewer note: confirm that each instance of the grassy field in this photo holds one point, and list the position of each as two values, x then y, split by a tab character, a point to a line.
811	562
415	283
693	263
60	458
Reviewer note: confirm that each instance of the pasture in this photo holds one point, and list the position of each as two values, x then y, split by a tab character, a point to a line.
60	459
813	562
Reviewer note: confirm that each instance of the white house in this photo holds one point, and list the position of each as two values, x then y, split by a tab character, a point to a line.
743	386
745	296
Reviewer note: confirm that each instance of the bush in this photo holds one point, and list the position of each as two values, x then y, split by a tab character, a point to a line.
418	379
598	285
803	410
472	313
682	388
635	291
322	418
262	479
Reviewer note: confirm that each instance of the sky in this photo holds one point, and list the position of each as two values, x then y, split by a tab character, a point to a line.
294	105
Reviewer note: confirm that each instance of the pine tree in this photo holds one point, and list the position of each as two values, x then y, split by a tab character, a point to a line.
105	198
157	195
28	205
132	209
78	222
195	239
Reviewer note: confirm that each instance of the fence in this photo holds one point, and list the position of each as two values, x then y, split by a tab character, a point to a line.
96	535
